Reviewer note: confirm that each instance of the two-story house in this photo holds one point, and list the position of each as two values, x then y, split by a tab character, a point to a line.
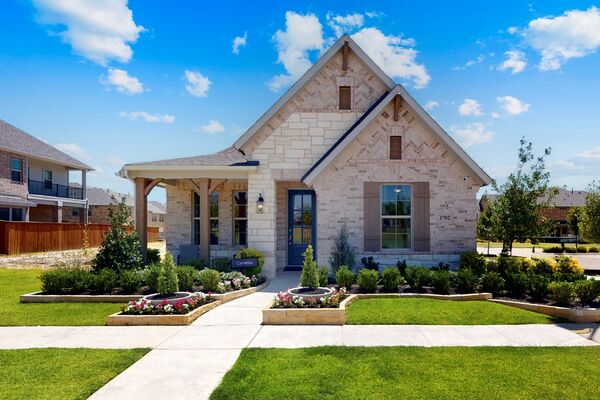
34	179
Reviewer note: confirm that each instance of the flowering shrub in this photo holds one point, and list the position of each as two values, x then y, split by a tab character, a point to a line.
144	307
286	300
236	281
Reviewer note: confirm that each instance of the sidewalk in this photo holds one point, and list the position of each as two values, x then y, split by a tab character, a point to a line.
189	362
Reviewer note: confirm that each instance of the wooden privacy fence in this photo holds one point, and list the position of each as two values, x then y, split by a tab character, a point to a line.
31	237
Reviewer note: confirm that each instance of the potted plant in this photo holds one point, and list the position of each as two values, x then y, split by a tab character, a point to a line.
309	279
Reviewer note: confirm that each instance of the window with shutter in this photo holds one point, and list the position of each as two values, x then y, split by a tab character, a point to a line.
395	147
345	98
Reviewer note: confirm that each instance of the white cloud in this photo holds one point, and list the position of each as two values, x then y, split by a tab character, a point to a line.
151	118
116	161
574	34
470	107
213	127
303	33
515	62
344	24
470	63
471	134
584	163
123	82
495	114
374	14
99	30
197	84
239	41
511	105
74	150
394	55
512	30
431	104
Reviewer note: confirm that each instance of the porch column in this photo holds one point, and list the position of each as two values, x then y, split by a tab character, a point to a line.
141	214
204	220
262	232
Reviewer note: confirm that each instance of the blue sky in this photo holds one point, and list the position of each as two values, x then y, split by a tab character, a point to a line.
112	81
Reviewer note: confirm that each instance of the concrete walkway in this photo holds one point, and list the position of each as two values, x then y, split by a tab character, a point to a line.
189	362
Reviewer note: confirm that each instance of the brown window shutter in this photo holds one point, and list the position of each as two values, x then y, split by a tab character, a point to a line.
395	147
372	216
345	98
420	217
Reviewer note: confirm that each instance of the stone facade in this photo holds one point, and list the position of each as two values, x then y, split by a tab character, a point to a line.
7	186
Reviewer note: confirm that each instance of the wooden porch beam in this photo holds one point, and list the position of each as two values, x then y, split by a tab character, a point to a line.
151	186
397	107
214	184
345	52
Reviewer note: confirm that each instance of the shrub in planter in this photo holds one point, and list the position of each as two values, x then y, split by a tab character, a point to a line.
130	281
417	277
367	280
186	276
151	277
209	279
222	264
152	256
441	281
323	273
369	263
587	291
562	293
309	278
167	278
66	280
473	261
344	277
466	281
593	249
390	279
537	285
105	280
491	282
344	253
249	252
516	284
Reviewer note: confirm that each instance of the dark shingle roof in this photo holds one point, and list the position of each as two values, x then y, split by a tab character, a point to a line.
14	139
228	157
103	197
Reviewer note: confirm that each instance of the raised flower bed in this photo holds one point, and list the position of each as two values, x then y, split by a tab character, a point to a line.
287	309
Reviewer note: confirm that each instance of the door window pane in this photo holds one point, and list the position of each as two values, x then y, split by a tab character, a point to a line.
306	202
307	235
297	235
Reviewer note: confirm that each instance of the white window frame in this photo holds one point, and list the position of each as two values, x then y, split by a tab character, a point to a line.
382	217
239	218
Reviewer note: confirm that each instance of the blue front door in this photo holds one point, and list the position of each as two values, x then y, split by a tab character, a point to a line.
301	224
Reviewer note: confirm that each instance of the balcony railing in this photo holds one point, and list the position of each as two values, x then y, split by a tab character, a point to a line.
54	189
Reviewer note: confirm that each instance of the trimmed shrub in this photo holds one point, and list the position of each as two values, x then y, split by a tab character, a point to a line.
569	265
152	256
345	277
367	280
516	284
390	279
369	263
209	279
440	280
508	265
554	249
562	293
167	278
151	277
401	265
570	250
248	252
593	249
130	281
582	249
417	277
537	285
186	276
344	253
587	291
105	280
222	264
66	280
323	273
198	264
309	277
473	261
543	266
466	281
491	282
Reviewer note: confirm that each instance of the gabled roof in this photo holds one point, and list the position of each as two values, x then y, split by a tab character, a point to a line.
224	158
308	75
371	114
14	140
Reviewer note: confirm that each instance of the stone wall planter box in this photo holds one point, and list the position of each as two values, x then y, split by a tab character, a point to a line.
119	319
308	316
452	297
39	297
572	314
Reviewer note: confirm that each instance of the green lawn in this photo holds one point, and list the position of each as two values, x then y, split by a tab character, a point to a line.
415	311
60	373
413	373
15	282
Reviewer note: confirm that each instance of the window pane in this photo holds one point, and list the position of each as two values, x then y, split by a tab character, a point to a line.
196	205
241	212
15	176
297	218
4	214
297	203
307	202
214	205
16	164
214	231
241	227
47	175
196	231
17	214
388	208
306	218
241	198
395	233
395	200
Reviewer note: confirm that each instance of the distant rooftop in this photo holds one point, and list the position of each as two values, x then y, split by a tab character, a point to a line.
15	140
103	197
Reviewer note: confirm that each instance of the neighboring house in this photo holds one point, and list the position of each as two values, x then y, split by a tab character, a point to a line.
344	145
561	206
34	179
100	199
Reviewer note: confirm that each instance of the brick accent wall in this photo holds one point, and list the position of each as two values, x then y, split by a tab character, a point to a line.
7	186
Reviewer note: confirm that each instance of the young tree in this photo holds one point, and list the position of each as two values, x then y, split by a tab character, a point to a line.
517	212
575	220
344	253
485	228
309	277
591	214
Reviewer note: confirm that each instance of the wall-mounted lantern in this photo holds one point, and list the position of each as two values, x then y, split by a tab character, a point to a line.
260	203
